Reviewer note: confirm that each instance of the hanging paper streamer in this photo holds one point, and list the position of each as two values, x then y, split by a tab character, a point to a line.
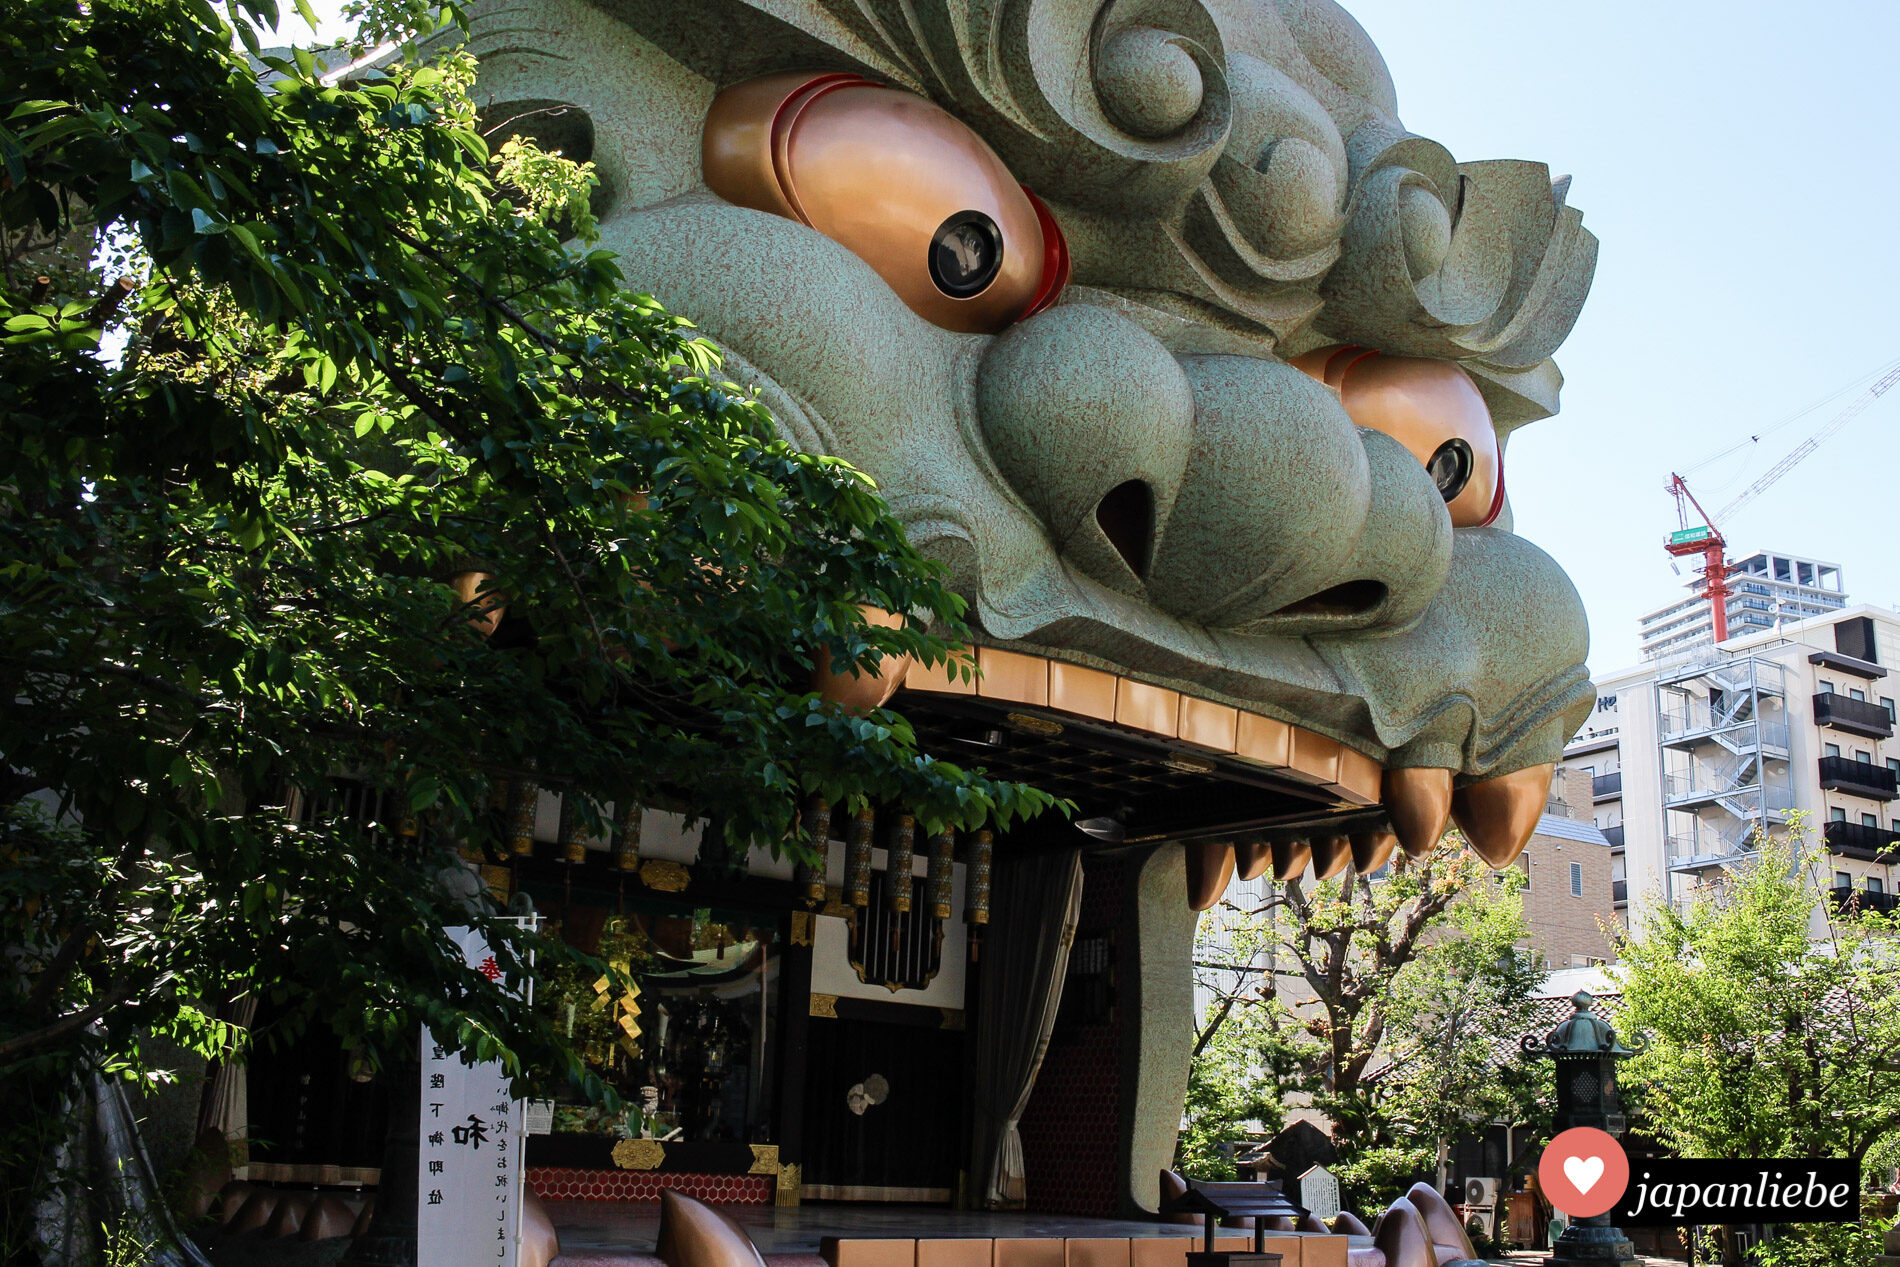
977	908
857	859
942	871
810	878
897	862
626	845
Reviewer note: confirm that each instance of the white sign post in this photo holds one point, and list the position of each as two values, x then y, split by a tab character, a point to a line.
468	1201
1319	1192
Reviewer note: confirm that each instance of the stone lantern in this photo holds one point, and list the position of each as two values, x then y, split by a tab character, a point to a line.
1586	1051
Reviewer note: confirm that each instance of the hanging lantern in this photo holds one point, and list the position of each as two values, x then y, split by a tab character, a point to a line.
897	862
977	907
857	859
573	834
626	842
942	874
408	825
523	796
810	877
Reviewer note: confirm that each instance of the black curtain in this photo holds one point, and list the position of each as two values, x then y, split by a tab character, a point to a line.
1034	904
908	1139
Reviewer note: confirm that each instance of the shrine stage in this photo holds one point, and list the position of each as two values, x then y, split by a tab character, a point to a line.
600	1233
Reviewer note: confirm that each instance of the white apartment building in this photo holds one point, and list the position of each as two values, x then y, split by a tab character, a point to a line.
1770	587
1692	755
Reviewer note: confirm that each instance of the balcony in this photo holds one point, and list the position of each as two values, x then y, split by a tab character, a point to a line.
1857	778
1703	848
1614	835
1736	785
1856	716
1606	787
1620	892
1858	840
1850	900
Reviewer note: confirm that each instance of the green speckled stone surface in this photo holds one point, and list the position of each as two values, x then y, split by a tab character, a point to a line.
1235	186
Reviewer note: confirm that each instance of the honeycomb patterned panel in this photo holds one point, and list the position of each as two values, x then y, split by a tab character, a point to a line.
1071	1131
559	1183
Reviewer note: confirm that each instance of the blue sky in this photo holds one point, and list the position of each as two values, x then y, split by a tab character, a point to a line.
1737	161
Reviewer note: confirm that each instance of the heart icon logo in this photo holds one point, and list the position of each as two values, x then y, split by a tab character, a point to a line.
1583	1172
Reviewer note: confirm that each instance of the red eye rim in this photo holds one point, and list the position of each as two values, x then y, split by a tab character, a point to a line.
1497	498
1055	259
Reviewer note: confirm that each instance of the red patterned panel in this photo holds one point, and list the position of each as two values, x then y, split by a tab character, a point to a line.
1071	1131
559	1183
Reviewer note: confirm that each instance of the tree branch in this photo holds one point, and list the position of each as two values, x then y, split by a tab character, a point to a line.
66	1024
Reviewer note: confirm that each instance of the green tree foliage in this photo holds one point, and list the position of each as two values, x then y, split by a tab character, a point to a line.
1772	1024
352	358
1391	1006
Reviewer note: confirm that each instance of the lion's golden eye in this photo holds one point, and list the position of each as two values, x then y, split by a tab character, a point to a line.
905	186
1434	410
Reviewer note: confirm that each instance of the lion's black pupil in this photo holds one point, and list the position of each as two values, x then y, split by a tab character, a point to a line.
1450	468
965	254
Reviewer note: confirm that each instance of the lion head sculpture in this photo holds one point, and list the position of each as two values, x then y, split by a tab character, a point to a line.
1152	323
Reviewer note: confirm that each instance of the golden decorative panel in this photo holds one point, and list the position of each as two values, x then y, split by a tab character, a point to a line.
639	1154
667	877
825	1005
764	1159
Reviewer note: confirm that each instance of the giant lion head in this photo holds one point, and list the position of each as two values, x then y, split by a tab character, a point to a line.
1153	324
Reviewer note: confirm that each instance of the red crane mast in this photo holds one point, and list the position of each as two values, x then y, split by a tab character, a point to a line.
1706	540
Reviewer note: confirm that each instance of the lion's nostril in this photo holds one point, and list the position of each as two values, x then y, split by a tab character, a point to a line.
1351	598
1126	515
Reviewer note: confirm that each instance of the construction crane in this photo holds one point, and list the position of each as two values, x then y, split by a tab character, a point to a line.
1706	538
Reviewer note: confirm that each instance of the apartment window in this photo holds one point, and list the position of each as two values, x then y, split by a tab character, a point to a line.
1837	815
1876	885
1854	692
1888	705
1576	879
1832	749
1806	572
1863	756
1842	880
1896	826
1893	765
1870	820
1827	687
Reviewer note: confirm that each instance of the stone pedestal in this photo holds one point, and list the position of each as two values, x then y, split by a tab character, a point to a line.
1592	1241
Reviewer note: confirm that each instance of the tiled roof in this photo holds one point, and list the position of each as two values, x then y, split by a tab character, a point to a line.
1570	829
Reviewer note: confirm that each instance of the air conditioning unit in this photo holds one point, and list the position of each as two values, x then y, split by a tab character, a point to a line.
1481	1202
